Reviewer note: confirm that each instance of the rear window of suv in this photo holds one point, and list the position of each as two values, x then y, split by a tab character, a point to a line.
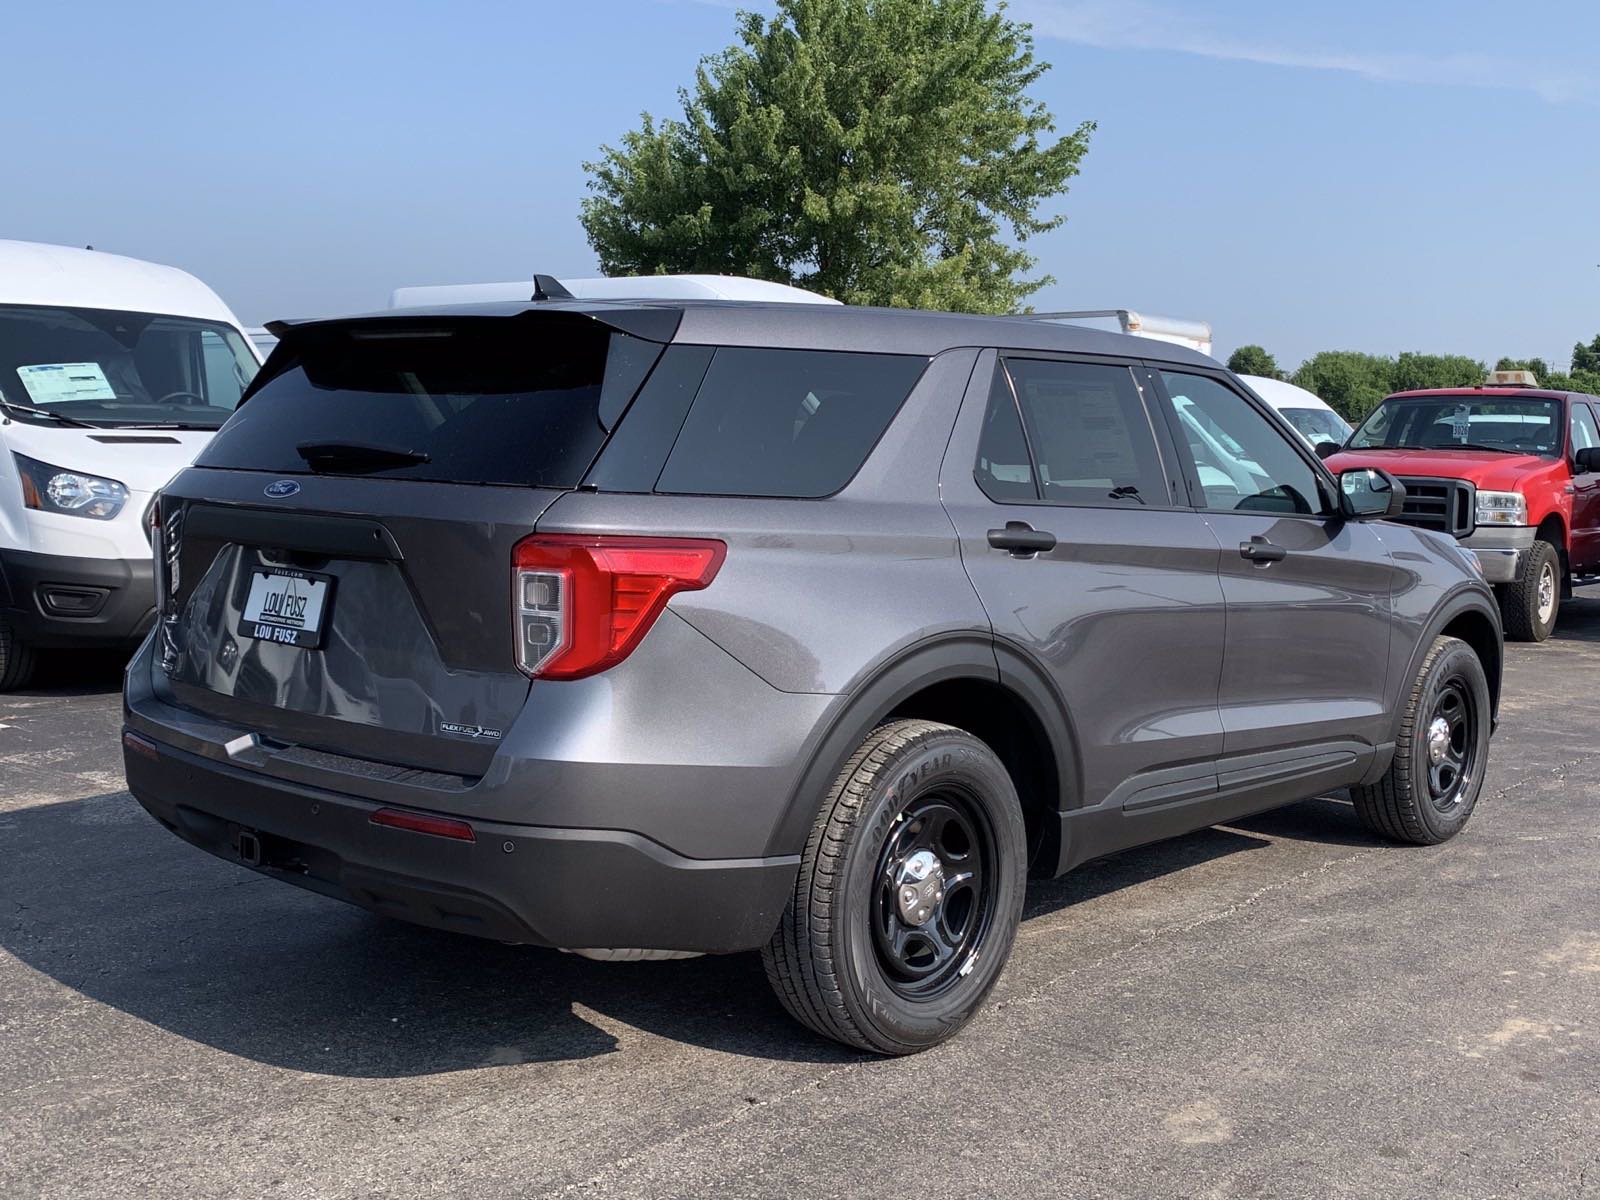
471	400
789	423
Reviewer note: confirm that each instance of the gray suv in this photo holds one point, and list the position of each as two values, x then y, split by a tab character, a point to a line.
644	629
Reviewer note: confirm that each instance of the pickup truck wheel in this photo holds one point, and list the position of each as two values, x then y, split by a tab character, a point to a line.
1441	754
909	892
1528	605
16	660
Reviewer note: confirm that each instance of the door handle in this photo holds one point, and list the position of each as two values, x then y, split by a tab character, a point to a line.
1260	551
1021	538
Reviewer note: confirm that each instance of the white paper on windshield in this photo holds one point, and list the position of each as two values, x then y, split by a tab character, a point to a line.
55	383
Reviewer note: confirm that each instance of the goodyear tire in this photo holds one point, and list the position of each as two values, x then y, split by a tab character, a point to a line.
908	895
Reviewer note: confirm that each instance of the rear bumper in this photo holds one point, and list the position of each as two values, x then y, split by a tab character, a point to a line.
55	600
1502	551
572	888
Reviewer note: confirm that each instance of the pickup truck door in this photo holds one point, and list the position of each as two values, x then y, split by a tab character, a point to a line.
1585	539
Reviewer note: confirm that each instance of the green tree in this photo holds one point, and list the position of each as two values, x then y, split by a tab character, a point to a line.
1586	358
1541	369
1350	382
1412	370
1254	360
877	151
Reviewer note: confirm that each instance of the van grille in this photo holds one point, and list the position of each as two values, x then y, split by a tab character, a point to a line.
1444	504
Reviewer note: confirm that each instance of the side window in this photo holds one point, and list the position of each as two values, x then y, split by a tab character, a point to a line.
1004	471
224	375
793	423
1090	433
1242	459
1584	432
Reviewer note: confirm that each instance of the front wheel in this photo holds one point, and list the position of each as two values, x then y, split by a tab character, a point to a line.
16	659
909	892
1441	755
1528	604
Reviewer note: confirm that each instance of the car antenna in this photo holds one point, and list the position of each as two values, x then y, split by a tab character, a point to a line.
548	287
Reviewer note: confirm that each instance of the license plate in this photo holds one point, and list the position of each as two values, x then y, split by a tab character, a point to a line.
288	607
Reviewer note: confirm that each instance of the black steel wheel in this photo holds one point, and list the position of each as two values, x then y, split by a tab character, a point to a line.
1441	751
908	895
935	898
1452	744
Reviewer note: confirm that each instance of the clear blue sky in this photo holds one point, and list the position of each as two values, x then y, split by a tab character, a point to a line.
1366	174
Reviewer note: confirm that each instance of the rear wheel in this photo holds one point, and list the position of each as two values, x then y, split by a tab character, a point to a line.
1432	784
16	659
1529	604
909	892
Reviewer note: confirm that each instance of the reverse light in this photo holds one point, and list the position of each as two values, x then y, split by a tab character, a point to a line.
1502	508
583	602
71	493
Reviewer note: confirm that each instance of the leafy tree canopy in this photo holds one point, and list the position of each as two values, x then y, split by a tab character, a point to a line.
1254	360
877	151
1353	383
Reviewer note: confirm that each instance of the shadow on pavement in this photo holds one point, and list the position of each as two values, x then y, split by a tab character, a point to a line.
1579	618
76	673
99	898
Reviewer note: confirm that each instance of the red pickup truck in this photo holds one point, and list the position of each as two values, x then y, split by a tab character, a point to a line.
1512	472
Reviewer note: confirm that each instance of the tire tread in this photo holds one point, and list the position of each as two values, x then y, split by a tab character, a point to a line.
798	959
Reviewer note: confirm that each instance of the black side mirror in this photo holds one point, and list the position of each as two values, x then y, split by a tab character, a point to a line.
1587	460
1366	493
1327	449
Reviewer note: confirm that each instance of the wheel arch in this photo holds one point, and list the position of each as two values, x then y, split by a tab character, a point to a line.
962	680
1472	617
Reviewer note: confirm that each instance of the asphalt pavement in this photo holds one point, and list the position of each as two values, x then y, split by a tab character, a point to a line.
1286	1007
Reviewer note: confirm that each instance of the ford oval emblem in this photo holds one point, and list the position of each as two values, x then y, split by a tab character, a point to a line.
282	488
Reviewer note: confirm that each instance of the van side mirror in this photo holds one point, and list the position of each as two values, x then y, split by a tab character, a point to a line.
1366	493
1327	449
1587	460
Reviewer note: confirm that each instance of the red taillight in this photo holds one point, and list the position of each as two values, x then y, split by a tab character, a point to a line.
415	822
583	602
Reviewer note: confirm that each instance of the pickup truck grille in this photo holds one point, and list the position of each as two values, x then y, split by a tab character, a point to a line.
1447	505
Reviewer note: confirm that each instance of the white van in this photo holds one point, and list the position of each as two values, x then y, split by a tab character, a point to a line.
1311	417
113	374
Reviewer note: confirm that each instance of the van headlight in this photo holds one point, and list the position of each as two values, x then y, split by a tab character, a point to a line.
71	493
1502	508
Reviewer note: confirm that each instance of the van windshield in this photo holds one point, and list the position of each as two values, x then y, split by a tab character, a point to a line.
1317	424
118	369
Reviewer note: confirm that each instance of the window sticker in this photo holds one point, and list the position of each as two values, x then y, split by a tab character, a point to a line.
1461	423
56	383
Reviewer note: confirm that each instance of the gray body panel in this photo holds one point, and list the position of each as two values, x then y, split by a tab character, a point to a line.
1175	683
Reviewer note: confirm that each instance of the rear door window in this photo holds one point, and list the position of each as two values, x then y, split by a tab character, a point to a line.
468	400
790	423
1089	432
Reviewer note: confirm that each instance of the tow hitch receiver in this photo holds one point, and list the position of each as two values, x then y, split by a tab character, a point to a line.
249	848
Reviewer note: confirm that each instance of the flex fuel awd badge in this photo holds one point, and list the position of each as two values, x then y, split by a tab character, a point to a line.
471	731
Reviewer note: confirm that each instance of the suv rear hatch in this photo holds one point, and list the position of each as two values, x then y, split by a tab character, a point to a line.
336	571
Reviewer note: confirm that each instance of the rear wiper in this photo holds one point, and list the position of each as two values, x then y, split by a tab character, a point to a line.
13	406
358	456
